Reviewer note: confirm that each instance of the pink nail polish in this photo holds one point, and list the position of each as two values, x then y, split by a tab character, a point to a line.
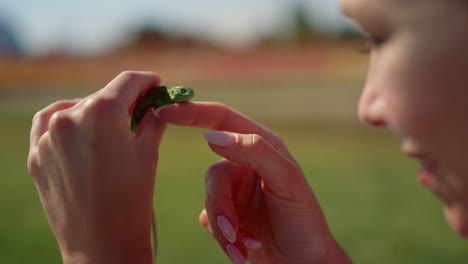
220	138
251	243
226	228
235	254
157	110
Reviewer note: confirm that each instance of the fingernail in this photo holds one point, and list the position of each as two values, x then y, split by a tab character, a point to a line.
235	254
251	243
226	228
220	138
157	110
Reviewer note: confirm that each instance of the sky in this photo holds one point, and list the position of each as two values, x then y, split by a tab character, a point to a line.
87	26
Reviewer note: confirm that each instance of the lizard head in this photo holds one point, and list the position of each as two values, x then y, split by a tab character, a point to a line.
181	93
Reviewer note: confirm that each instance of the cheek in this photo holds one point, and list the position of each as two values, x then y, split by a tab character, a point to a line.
434	117
421	97
424	81
429	110
415	116
412	104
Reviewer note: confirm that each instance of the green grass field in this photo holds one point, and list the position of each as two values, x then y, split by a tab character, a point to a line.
368	190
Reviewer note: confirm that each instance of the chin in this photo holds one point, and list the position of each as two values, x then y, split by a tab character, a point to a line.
457	217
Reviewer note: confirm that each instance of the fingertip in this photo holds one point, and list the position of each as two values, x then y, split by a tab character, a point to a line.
227	229
251	243
235	254
160	111
203	218
205	222
177	114
220	138
128	85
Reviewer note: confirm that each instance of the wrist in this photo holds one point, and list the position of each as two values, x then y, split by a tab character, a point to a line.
113	252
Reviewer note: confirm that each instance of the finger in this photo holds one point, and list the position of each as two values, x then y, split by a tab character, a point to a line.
216	116
243	191
248	239
221	210
219	200
281	175
205	222
41	119
39	157
150	131
129	85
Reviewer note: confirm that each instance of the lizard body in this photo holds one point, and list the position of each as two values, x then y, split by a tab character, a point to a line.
158	97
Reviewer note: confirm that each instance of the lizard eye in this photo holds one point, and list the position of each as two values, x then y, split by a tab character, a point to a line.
183	90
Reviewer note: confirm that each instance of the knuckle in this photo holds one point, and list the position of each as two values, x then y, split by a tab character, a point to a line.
33	162
60	103
213	171
43	115
216	178
274	139
132	76
219	167
277	140
60	121
38	117
101	106
128	75
257	143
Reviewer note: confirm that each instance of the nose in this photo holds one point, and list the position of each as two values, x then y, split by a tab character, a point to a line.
372	107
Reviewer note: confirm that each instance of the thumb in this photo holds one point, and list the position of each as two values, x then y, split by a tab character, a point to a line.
281	175
150	131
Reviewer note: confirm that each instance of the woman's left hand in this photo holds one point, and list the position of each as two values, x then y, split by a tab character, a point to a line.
259	205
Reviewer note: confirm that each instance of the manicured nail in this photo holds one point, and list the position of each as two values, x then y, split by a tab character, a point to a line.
220	138
235	254
157	110
226	228
251	243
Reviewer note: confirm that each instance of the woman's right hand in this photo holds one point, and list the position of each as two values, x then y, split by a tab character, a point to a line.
259	205
95	177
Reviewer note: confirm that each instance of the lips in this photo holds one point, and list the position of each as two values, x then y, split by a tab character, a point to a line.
427	174
428	171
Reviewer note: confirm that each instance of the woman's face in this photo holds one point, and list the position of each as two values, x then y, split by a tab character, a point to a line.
417	86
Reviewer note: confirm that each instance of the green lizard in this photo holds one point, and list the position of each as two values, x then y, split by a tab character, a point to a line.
158	97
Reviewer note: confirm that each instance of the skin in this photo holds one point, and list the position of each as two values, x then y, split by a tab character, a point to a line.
416	87
259	188
97	195
158	97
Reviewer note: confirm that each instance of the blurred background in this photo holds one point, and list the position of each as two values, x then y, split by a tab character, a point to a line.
292	65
